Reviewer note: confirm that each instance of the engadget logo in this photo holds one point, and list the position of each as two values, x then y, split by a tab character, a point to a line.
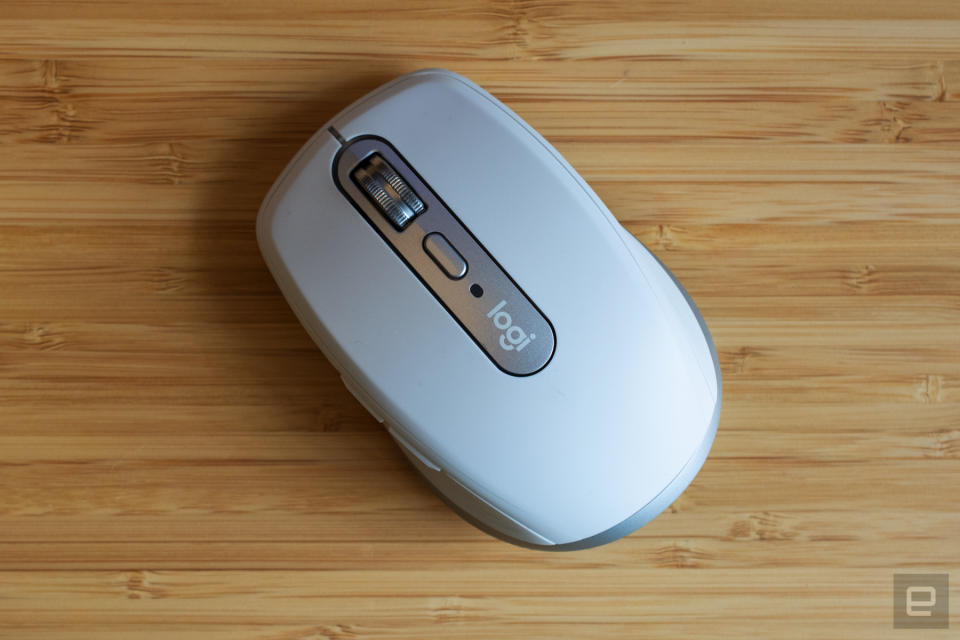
513	337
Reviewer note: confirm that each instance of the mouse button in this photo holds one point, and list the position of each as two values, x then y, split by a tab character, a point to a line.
362	397
412	450
445	255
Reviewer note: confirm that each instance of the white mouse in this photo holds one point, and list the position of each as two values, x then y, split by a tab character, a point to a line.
542	370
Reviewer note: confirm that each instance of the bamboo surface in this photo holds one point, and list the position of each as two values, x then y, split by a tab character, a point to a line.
177	460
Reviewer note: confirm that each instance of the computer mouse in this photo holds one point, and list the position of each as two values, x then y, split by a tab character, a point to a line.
546	374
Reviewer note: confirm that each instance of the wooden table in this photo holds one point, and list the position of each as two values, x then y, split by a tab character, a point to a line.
177	460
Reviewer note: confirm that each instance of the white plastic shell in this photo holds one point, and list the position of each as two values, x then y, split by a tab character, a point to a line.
623	415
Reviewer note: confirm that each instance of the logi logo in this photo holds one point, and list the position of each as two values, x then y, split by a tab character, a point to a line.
513	337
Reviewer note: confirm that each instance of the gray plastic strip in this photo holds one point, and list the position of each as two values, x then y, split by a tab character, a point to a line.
504	322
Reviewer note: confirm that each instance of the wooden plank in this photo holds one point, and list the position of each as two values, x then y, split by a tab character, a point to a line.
417	603
476	32
178	460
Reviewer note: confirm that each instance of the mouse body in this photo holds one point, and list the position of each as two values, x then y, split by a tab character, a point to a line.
545	373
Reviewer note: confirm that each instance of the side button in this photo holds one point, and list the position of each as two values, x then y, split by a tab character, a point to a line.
497	519
362	397
412	450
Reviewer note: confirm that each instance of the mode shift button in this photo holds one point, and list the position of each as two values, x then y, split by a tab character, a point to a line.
447	258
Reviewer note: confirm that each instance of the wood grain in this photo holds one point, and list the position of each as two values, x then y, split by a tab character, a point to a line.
178	461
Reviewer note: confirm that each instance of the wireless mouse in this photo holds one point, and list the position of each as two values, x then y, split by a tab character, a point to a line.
544	372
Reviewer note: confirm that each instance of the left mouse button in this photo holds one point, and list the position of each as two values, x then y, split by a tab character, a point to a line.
362	397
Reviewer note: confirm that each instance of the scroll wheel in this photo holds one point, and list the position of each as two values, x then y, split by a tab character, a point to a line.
388	191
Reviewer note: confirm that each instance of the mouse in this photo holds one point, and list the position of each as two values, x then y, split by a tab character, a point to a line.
549	377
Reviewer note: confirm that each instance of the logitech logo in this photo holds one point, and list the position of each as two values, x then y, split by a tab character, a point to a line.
513	337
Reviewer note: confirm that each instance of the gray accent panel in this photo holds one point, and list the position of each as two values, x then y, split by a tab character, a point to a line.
505	323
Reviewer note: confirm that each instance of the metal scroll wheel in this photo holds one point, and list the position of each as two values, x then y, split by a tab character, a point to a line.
388	191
